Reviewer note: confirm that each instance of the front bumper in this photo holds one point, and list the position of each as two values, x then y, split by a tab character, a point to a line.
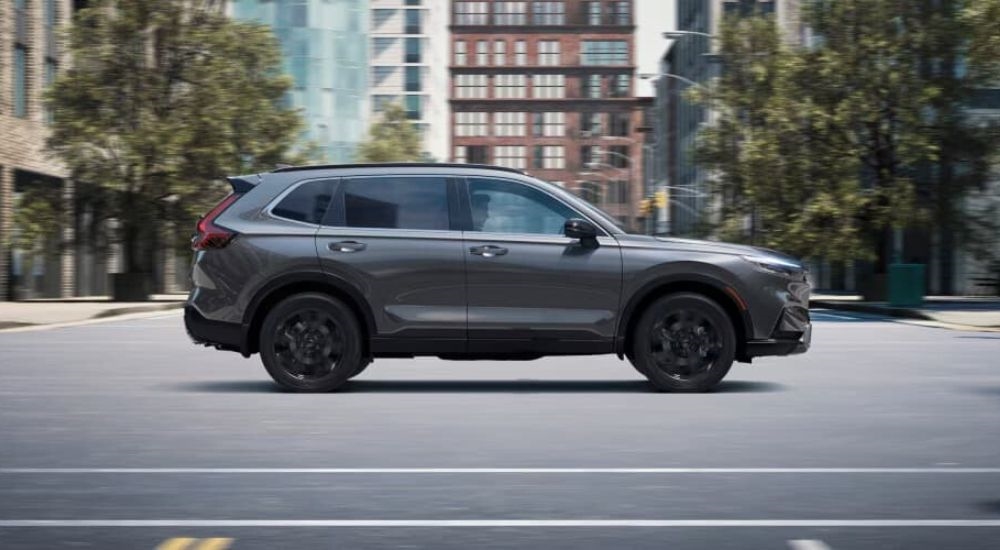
217	334
791	336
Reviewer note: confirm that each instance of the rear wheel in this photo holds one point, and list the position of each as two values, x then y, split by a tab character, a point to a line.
311	343
684	343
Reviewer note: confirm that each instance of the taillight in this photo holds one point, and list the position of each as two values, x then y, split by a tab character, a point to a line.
207	234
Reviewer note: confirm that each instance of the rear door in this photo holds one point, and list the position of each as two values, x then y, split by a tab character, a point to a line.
392	237
531	288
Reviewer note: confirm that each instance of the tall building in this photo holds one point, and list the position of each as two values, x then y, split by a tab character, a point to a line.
548	87
30	56
688	60
325	47
409	66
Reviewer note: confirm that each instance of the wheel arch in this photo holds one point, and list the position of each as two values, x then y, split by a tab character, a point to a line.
725	295
317	281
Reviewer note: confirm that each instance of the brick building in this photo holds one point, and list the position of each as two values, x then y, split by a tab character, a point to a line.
548	87
30	56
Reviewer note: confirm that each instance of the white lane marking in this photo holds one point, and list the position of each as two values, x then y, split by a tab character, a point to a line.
142	315
938	470
499	523
808	544
835	316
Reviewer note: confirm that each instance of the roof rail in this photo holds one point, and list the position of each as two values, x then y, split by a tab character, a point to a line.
397	165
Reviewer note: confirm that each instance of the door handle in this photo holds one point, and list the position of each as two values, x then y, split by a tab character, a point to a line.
347	246
488	250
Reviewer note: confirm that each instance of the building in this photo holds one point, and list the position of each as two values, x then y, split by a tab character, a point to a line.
30	56
325	47
688	61
409	66
548	87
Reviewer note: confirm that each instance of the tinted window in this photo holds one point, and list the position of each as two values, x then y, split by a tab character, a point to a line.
306	203
396	203
507	207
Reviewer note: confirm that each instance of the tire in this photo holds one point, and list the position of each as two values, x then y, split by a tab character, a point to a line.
361	369
683	342
311	342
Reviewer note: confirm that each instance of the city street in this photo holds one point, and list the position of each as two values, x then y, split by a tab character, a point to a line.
123	434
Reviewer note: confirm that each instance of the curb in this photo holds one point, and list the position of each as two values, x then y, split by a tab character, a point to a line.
922	318
106	315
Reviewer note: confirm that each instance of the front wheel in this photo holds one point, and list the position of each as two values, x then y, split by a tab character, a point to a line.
683	343
311	343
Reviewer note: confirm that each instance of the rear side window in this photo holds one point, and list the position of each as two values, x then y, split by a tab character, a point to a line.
402	202
307	202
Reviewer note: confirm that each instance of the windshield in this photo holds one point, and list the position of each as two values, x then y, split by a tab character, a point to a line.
581	202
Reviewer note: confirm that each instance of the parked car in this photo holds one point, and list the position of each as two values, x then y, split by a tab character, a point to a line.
323	269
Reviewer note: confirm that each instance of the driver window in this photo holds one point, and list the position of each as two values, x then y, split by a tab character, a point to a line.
500	206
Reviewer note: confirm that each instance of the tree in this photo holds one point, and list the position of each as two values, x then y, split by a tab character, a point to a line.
392	139
830	146
163	98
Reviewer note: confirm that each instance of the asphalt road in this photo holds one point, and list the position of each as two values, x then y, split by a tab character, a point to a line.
124	435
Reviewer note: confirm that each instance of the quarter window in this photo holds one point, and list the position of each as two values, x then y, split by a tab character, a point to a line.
396	203
306	203
506	207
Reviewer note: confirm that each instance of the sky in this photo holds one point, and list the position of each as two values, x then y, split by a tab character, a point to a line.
653	17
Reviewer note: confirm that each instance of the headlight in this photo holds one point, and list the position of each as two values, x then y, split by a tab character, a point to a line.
775	265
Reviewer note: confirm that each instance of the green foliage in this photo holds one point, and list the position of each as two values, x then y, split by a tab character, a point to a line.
38	214
392	139
163	98
821	150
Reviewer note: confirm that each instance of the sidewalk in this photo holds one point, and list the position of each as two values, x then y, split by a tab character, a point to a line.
72	310
956	312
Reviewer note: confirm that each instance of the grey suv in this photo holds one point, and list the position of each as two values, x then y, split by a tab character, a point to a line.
321	269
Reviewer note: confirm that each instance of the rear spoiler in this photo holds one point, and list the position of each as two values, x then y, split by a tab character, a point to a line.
243	184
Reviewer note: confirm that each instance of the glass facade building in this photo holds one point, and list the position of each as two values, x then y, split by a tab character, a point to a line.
324	43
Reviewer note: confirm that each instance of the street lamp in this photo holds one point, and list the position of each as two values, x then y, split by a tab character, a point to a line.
674	35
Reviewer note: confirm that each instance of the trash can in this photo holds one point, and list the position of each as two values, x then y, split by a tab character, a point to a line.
906	285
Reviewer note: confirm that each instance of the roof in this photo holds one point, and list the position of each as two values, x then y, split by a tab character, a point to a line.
398	165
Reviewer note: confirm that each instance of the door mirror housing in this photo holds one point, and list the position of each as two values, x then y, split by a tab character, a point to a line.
575	228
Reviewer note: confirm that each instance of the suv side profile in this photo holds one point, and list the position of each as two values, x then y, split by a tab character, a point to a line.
322	269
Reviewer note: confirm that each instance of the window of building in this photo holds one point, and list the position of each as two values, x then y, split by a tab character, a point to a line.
590	191
381	17
460	53
508	124
747	8
520	52
413	79
412	22
509	13
499	53
604	52
594	12
508	207
619	85
615	192
51	69
461	154
548	12
396	203
509	156
20	81
550	124
618	156
482	53
618	124
591	123
548	52
306	203
412	50
476	154
412	2
470	86
471	124
549	86
621	12
510	86
413	106
592	86
550	157
587	155
381	74
472	13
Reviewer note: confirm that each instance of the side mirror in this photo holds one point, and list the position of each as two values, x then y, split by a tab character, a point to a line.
575	228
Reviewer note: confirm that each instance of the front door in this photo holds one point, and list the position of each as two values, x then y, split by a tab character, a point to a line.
392	237
530	287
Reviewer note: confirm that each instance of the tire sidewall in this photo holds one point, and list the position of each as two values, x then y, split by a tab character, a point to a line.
644	362
346	323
